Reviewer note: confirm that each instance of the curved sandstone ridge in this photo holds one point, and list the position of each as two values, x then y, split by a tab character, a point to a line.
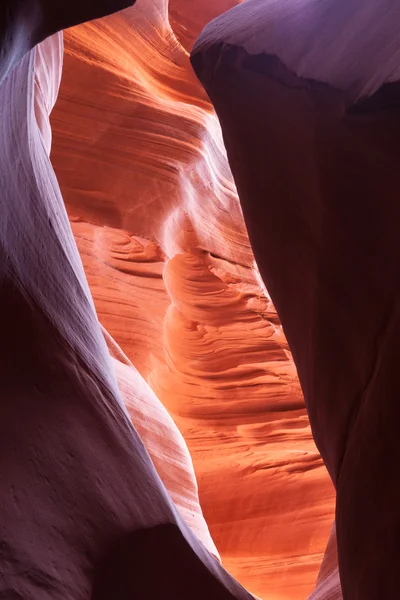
317	173
163	441
328	584
352	45
154	211
25	23
84	513
190	349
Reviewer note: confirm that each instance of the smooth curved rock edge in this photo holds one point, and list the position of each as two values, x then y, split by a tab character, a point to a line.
173	277
352	45
26	23
66	435
319	201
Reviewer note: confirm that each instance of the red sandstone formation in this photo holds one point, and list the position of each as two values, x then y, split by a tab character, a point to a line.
84	513
190	349
139	157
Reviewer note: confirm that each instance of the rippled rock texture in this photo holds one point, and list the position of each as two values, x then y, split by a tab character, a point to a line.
140	160
189	348
84	512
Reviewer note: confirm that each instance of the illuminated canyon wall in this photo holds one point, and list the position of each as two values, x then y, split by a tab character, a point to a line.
84	512
140	160
152	400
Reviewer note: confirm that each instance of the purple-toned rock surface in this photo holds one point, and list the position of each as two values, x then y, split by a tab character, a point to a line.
318	178
78	486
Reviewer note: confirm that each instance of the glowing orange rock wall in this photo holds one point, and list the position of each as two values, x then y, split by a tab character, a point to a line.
138	153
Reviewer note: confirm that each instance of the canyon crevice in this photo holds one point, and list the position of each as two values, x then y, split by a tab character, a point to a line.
173	278
186	227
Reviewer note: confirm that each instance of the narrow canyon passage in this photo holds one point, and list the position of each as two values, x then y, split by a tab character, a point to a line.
138	153
199	295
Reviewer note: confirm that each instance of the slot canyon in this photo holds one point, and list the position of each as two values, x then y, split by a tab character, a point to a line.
199	289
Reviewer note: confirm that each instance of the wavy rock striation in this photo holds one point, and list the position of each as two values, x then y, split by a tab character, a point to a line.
175	434
156	217
84	512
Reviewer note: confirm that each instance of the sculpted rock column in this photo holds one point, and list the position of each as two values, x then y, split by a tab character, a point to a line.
84	513
313	140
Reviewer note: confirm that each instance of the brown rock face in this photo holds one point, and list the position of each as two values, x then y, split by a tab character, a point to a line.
317	175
